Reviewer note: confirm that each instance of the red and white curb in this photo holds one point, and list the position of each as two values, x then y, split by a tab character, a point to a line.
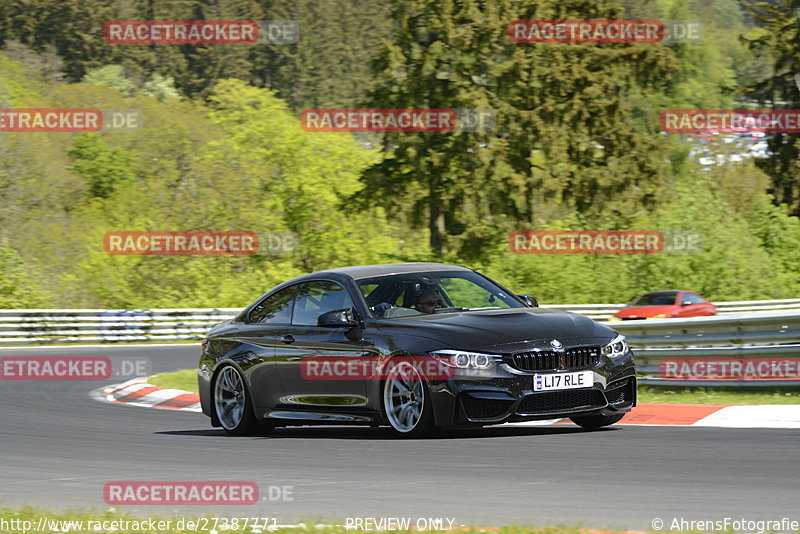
705	415
138	392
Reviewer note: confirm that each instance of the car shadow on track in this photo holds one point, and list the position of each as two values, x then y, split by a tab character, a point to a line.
378	434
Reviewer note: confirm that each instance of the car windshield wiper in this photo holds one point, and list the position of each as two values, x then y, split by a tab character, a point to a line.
448	310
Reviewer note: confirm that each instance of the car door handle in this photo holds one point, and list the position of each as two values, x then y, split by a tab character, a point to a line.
288	339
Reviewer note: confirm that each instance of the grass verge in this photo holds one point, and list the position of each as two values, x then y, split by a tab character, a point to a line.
185	379
717	396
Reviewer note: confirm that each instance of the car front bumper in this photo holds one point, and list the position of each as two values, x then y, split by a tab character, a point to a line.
506	394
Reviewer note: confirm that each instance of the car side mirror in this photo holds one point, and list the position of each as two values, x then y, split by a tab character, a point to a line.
686	303
529	300
337	318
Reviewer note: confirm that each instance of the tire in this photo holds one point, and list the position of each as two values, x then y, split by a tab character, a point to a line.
407	402
232	404
592	422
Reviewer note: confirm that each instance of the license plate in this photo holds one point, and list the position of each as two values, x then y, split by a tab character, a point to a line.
552	382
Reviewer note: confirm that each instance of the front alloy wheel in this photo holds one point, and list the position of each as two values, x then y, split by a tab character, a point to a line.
232	403
406	401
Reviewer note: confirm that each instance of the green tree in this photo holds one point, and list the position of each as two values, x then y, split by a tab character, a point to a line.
18	281
307	178
161	87
244	165
744	255
329	66
706	75
73	28
574	124
110	76
779	38
105	168
779	234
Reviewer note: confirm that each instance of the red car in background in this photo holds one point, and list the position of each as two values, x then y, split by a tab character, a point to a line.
666	304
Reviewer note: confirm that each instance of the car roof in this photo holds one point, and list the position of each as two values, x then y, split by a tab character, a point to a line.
358	272
665	292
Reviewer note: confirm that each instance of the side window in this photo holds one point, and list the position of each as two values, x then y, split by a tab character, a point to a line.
693	298
367	289
276	308
315	298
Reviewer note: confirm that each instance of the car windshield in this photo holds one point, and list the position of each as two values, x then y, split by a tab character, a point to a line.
655	299
407	294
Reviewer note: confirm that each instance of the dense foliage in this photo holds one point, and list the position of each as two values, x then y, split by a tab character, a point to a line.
576	145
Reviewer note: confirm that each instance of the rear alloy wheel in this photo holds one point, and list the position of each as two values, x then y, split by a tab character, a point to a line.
406	401
232	403
591	422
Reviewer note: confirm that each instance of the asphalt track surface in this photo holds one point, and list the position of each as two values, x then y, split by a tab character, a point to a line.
59	446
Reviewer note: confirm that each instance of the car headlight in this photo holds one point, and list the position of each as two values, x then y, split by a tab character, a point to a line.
465	360
659	316
618	347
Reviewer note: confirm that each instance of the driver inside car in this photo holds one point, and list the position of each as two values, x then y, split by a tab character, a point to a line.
428	302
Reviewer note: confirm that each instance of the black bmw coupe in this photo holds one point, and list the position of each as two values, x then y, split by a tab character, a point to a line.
416	346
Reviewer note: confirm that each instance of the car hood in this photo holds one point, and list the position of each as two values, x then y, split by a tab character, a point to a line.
645	311
504	331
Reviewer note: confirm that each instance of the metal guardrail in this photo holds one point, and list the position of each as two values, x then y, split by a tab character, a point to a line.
756	342
606	311
758	349
20	327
